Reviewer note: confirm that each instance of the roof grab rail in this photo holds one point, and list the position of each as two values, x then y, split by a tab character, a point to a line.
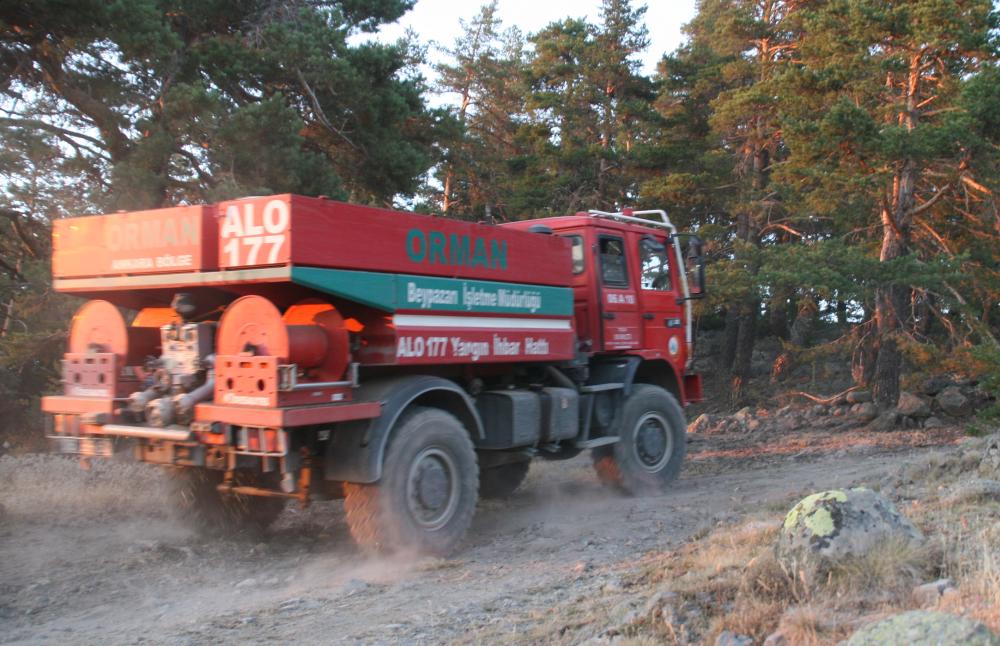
628	215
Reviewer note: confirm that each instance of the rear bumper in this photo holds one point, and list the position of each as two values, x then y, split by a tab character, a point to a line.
289	417
56	404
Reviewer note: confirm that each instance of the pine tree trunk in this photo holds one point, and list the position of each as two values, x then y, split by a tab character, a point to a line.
446	201
745	338
9	308
727	353
778	313
897	218
841	312
801	331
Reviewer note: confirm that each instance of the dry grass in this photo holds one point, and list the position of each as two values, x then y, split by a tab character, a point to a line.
39	487
971	557
887	572
729	579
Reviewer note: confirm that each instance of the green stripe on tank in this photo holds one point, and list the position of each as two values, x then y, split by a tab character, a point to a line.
392	292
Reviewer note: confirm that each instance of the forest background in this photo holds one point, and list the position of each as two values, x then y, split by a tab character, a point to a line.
839	157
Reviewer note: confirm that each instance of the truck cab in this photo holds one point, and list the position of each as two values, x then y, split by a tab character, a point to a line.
634	278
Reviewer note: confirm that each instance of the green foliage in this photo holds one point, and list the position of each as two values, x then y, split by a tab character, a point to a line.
136	104
163	102
839	155
988	372
551	131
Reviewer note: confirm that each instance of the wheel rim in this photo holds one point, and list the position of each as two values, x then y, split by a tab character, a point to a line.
432	488
653	443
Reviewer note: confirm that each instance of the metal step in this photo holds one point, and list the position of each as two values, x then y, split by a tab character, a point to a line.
597	388
597	441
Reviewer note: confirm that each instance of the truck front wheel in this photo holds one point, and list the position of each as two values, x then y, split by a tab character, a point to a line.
427	494
649	455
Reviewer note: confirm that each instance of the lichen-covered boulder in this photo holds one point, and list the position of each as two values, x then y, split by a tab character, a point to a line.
828	527
924	628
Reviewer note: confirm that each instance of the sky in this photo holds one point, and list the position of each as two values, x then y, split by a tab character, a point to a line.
437	20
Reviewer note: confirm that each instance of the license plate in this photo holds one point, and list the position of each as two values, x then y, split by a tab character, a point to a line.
89	446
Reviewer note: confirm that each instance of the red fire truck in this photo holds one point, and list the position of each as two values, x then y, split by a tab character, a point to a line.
284	347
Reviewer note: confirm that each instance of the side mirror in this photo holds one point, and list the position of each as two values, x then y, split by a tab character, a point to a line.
651	243
694	264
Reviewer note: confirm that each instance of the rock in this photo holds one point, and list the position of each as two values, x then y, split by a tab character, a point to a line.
658	599
743	414
838	411
753	424
788	423
953	402
621	616
990	463
728	638
883	423
936	384
612	587
930	593
290	604
819	410
933	422
910	405
776	639
971	490
865	412
355	585
924	628
828	527
702	424
859	397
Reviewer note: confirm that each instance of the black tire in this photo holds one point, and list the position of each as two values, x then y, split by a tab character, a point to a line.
199	503
502	481
427	495
653	443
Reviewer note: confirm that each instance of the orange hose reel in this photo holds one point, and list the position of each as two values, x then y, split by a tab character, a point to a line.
98	326
310	334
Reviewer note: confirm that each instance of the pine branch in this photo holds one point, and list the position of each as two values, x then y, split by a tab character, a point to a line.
63	134
320	113
931	202
826	401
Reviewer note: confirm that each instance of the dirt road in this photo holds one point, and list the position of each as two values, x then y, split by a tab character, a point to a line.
92	557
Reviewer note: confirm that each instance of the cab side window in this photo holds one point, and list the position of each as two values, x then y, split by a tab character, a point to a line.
655	265
614	270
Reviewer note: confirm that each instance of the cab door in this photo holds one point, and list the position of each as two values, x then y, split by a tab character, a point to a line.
620	322
662	316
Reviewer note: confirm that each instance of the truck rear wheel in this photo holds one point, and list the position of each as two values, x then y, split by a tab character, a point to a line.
502	481
200	504
427	494
649	455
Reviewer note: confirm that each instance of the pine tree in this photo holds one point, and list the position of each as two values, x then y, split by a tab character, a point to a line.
879	139
590	108
486	72
172	101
